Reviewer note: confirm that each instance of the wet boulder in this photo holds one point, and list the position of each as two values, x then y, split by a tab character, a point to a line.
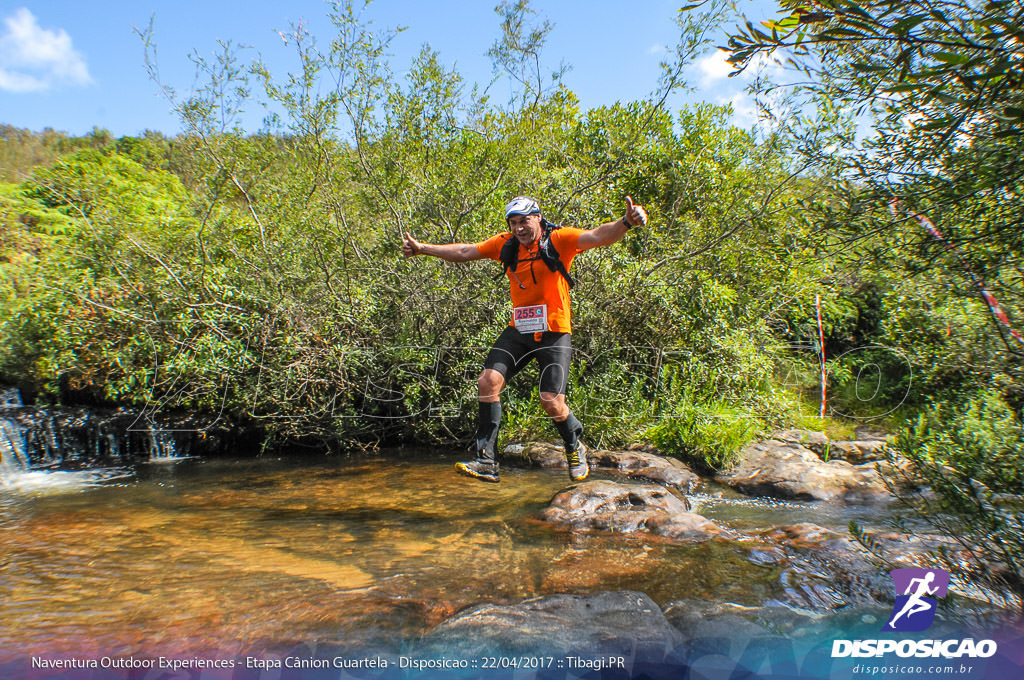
809	439
807	535
647	466
825	571
702	619
604	624
622	508
534	454
869	446
859	451
787	470
736	626
634	464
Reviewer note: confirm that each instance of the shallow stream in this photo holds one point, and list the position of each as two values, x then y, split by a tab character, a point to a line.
228	555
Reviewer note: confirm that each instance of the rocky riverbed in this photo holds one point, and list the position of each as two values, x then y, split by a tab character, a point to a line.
830	582
398	551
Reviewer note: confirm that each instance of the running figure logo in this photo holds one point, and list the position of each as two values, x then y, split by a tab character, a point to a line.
915	592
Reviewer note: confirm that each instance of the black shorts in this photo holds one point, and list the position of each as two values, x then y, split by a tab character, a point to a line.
513	350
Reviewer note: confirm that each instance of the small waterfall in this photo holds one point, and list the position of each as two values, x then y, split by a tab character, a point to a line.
10	396
44	451
20	474
13	457
163	446
47	448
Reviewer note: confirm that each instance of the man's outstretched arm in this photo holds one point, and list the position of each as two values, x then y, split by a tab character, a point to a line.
612	232
452	252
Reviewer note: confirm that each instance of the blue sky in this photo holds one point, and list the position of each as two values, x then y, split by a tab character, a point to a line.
71	65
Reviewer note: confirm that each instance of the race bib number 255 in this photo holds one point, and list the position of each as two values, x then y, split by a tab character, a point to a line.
533	319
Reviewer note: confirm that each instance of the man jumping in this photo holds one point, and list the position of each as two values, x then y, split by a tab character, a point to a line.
537	256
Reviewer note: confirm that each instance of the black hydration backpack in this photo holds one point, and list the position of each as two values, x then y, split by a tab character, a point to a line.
509	255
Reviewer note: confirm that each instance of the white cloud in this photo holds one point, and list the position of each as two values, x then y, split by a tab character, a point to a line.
714	67
769	65
657	48
34	59
19	82
744	111
712	74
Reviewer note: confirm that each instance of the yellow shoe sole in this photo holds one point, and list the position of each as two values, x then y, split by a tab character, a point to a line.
581	477
466	470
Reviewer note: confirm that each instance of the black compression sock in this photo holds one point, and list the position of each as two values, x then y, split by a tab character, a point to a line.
487	428
570	429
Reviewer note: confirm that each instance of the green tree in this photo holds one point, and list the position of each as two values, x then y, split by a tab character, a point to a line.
941	85
928	199
261	272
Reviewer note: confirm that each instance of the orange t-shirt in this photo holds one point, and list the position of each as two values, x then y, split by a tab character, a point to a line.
541	285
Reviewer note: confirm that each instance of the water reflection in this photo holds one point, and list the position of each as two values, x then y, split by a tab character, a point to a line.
227	555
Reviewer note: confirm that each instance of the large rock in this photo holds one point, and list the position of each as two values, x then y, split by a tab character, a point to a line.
807	535
824	571
622	508
534	454
616	623
786	470
697	619
815	441
634	464
821	571
649	466
736	626
870	446
859	451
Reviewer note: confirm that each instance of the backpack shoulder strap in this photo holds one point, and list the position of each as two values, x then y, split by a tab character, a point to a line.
509	255
550	255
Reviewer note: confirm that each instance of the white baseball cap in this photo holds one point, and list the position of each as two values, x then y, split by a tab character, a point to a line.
522	205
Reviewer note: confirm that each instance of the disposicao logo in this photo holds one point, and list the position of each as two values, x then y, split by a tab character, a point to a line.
915	604
914	611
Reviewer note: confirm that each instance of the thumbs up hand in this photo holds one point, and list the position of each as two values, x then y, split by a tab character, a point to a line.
635	213
411	246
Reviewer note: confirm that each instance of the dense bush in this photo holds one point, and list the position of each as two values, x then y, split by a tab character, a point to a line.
923	214
960	469
981	439
261	273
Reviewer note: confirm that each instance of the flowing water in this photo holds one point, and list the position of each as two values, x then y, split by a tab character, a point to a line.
225	555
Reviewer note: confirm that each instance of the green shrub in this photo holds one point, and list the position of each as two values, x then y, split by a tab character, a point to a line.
980	439
959	470
707	431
